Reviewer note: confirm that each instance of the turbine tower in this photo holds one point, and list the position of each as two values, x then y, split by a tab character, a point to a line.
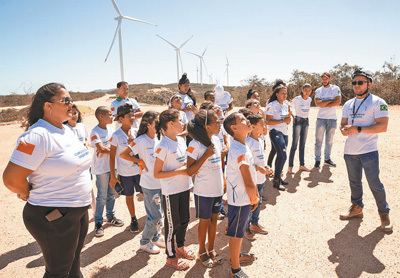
227	70
201	63
178	54
119	33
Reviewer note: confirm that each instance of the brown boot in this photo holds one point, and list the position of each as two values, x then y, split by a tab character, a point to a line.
386	226
354	211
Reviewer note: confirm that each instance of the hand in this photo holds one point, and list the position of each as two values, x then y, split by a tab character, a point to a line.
286	120
210	151
142	166
113	181
348	129
262	170
22	197
254	203
224	152
99	154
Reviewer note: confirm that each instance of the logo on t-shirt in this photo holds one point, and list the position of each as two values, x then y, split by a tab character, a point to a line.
241	158
384	108
158	150
94	137
132	144
26	148
112	108
111	139
190	149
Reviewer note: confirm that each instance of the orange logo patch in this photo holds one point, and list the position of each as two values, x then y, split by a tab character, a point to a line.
241	158
268	109
190	149
111	139
132	144
112	108
158	151
94	137
26	148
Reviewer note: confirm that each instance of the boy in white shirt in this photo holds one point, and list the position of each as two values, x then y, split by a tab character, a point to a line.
241	189
100	141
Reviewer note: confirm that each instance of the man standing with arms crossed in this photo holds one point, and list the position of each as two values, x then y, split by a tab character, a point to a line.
327	97
363	117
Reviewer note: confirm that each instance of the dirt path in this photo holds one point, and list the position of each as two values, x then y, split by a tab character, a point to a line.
306	237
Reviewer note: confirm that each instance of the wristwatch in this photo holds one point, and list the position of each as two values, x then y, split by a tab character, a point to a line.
359	129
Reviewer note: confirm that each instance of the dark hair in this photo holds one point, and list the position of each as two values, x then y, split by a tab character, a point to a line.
43	95
119	84
165	117
123	109
207	105
79	114
250	93
307	85
250	102
101	110
279	84
254	118
197	126
184	80
230	121
245	111
206	94
148	118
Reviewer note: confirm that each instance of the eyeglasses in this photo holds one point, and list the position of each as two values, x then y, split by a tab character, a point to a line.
67	101
360	83
216	122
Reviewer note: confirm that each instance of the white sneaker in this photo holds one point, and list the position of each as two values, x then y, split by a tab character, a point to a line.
160	242
150	248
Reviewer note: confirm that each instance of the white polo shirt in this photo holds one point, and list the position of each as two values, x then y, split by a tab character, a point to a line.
327	94
60	165
373	107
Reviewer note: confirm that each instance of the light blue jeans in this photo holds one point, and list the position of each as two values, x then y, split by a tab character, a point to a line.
254	215
154	213
324	127
105	197
370	163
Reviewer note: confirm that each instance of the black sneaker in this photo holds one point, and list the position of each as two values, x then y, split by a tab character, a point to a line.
116	222
330	163
317	164
284	182
98	230
277	185
134	228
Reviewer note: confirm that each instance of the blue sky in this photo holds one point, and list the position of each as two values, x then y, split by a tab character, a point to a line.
67	41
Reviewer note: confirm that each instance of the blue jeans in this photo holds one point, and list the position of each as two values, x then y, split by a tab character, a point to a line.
325	127
254	215
154	214
280	142
105	197
300	131
370	163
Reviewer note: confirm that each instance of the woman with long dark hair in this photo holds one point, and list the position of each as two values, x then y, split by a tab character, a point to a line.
188	98
49	169
278	117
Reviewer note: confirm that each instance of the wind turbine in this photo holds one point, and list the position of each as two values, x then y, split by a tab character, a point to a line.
118	31
227	70
201	63
178	54
197	73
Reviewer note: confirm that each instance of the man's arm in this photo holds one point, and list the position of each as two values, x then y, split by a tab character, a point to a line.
328	103
379	126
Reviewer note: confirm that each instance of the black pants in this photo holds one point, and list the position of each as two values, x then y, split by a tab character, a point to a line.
176	220
61	240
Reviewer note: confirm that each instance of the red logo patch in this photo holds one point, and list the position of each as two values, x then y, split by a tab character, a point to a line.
241	158
190	149
26	148
94	137
158	151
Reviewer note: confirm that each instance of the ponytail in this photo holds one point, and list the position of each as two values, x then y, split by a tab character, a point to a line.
148	118
165	117
197	126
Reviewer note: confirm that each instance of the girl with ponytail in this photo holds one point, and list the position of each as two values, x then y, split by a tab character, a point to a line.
204	160
189	100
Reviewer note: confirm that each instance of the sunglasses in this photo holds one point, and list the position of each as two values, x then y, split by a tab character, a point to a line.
67	101
360	83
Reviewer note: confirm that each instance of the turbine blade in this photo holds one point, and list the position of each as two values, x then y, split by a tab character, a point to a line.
115	35
138	20
204	51
194	54
168	42
116	7
185	42
204	65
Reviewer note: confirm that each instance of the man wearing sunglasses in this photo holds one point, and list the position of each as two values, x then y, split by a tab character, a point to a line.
363	117
327	98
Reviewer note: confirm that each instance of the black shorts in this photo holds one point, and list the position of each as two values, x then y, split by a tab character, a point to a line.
207	206
130	185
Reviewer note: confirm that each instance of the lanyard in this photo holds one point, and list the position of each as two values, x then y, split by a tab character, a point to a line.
358	108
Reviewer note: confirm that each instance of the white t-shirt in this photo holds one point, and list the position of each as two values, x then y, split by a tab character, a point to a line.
60	163
125	167
223	99
373	107
238	155
173	153
209	180
114	108
301	106
257	150
80	131
221	134
186	100
278	112
327	94
183	117
145	147
101	163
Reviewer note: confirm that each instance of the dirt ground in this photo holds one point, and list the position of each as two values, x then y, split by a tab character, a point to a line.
306	237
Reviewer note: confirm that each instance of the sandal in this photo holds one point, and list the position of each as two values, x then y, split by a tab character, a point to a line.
187	254
208	262
247	257
176	263
215	257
